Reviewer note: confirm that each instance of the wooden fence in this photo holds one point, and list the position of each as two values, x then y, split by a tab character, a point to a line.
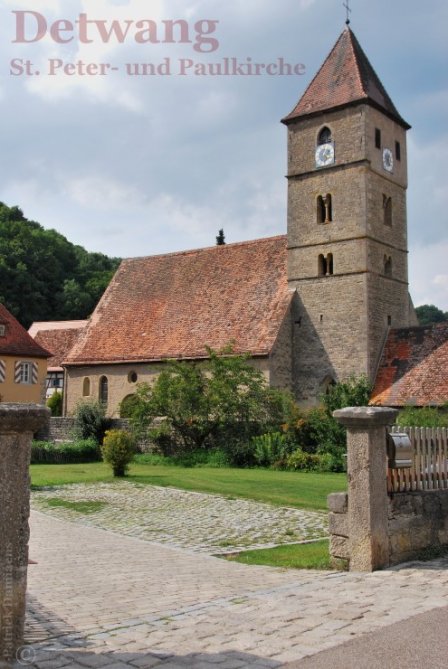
429	470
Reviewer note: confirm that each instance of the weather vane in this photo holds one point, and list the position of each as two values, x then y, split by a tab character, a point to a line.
349	11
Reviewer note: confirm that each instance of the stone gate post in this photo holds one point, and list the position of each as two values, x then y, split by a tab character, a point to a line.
18	422
367	485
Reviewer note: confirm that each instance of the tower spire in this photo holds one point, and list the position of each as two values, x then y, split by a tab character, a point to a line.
346	4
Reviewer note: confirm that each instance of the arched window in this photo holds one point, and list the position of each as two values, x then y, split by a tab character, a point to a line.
324	209
388	266
387	210
322	265
104	390
324	136
330	264
86	387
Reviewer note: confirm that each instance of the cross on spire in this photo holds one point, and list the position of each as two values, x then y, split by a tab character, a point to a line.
346	4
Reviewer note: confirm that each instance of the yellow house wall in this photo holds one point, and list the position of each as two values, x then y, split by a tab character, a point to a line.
119	385
23	392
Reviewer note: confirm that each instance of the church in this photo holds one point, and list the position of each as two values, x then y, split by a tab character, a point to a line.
311	307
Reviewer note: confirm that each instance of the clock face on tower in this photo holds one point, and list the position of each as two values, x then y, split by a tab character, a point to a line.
388	160
325	155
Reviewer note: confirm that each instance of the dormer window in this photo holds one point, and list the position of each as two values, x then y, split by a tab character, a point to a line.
324	136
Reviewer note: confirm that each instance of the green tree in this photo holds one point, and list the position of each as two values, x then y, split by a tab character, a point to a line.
222	402
90	421
55	402
43	276
428	314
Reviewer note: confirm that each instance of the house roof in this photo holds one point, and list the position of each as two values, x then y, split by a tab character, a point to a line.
414	368
16	340
57	337
345	78
174	305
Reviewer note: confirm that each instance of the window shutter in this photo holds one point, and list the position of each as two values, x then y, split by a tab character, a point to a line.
2	371
17	371
35	372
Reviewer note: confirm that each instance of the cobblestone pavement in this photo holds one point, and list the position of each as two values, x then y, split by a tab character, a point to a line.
205	523
98	599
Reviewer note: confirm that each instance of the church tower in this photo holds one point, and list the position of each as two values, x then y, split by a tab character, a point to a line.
347	228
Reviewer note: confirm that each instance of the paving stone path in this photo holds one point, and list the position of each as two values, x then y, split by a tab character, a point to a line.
204	523
99	599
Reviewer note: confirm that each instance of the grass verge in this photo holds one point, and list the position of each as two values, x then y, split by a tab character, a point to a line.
302	490
297	556
86	507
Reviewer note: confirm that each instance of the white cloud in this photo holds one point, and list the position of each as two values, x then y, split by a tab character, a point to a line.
429	280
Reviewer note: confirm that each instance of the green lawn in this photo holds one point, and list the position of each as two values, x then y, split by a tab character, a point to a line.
296	489
299	556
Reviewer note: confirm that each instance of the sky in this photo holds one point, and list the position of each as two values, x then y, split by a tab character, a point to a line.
133	165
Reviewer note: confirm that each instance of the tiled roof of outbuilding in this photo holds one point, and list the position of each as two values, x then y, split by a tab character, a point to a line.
414	368
57	337
174	305
16	340
346	77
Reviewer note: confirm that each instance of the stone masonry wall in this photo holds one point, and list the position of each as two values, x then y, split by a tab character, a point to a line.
60	429
416	521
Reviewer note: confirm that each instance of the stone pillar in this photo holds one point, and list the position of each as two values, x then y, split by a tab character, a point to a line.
18	422
367	485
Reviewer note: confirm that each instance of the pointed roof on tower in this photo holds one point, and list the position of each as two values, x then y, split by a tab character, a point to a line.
345	78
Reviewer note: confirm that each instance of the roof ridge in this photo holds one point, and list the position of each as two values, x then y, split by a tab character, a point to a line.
188	252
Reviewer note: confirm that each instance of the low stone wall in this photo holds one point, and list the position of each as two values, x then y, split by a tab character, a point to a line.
416	521
60	429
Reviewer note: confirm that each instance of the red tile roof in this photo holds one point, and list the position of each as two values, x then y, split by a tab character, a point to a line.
172	306
346	77
414	368
16	340
57	337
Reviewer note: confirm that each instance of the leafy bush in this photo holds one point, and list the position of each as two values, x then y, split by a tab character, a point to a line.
270	449
310	462
55	402
65	453
423	417
118	450
90	421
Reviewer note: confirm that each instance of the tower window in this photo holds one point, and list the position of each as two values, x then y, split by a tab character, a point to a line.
398	150
387	266
325	265
378	138
324	136
322	265
389	320
387	210
324	209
